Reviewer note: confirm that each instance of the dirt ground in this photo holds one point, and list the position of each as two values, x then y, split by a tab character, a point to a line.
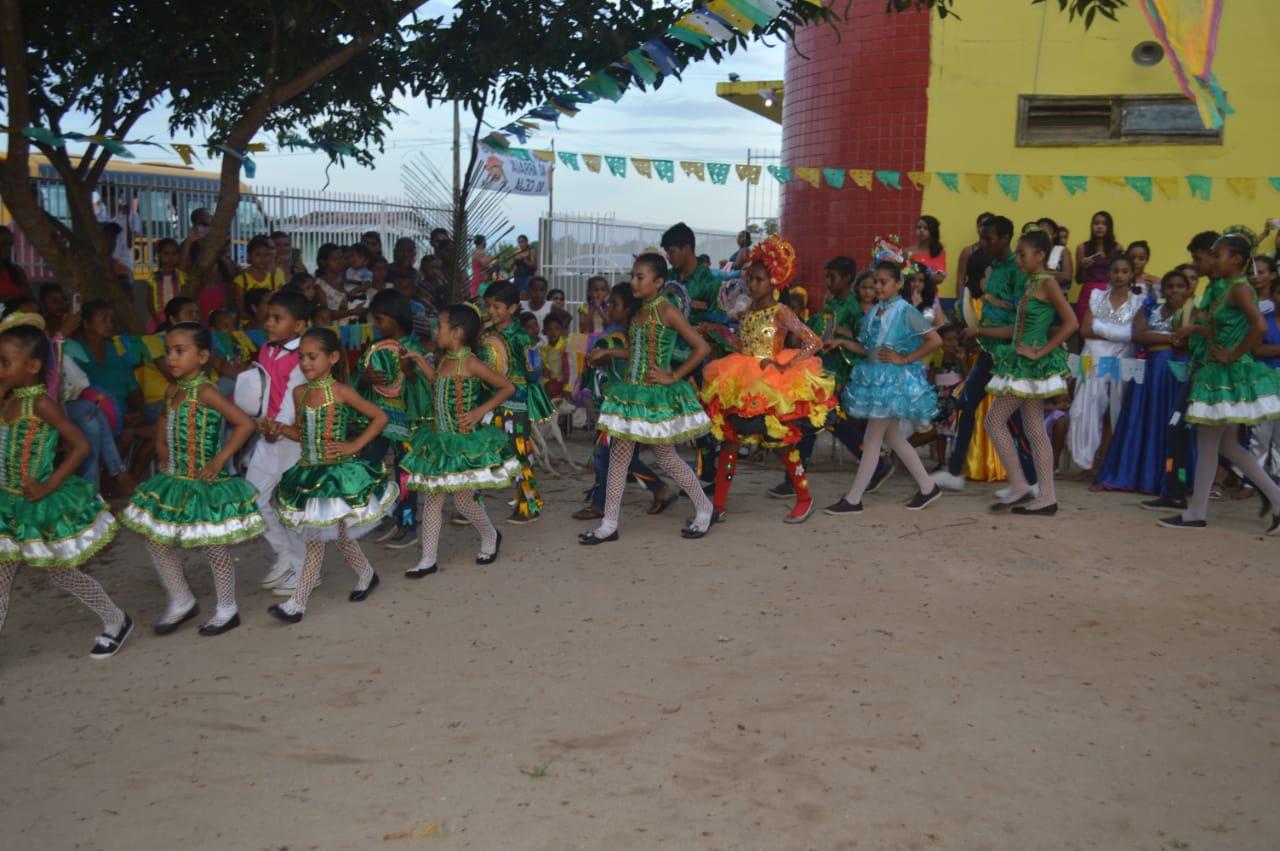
946	679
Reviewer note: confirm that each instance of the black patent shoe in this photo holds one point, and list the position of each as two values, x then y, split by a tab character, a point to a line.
493	556
280	614
219	628
1046	511
361	594
692	533
421	572
589	539
167	627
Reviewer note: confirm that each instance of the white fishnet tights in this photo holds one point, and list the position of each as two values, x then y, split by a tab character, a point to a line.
168	562
997	425
430	521
74	581
309	576
620	454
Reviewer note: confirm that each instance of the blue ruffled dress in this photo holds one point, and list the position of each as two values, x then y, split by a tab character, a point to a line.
878	390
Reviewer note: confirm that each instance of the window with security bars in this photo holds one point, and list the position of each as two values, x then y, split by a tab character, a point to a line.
1070	120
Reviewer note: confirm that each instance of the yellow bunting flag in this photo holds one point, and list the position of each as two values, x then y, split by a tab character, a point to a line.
186	152
644	167
862	177
749	173
736	19
545	156
1111	179
1245	187
592	161
256	147
1041	183
978	182
694	169
1171	187
920	179
811	176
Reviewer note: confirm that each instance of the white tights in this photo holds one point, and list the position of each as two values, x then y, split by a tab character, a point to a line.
886	433
1210	442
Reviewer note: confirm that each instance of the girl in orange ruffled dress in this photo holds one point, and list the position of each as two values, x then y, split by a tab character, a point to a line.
765	394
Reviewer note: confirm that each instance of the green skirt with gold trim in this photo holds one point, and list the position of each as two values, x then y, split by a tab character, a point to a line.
189	513
65	529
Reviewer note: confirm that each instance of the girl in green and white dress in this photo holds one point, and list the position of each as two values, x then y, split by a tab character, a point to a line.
330	494
49	518
654	404
1231	388
194	502
460	452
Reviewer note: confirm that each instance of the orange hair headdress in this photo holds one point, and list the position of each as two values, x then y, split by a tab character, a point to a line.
779	257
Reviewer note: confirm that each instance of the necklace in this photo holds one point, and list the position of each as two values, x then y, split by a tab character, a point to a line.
460	354
28	392
190	385
321	383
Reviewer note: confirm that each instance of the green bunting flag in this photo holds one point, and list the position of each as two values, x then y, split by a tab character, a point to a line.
666	170
1144	186
1010	185
950	179
640	63
719	172
520	154
1074	183
617	165
889	178
757	16
1275	183
781	173
571	160
1201	187
834	177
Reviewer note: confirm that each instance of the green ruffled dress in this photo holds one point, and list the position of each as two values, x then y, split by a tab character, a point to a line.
639	410
319	492
177	509
530	397
67	527
1243	392
1013	374
444	458
405	397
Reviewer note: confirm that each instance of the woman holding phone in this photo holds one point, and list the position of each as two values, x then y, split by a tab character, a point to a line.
1093	260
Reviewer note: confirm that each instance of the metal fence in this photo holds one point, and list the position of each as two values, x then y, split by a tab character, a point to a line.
574	247
164	204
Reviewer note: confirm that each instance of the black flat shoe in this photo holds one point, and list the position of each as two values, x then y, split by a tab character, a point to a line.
105	646
692	534
493	556
166	628
998	507
280	614
589	539
361	594
218	629
1047	511
420	572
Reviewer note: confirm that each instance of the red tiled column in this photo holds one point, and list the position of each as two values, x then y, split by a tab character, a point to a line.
859	100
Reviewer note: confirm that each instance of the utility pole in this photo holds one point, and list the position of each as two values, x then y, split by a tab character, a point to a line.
545	256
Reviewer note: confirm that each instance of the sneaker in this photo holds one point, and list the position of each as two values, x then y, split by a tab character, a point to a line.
1176	522
408	539
945	479
884	470
782	490
1165	503
1003	493
802	512
106	646
922	500
277	574
401	533
843	507
387	532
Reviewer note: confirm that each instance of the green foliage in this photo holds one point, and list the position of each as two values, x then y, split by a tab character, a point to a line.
1085	9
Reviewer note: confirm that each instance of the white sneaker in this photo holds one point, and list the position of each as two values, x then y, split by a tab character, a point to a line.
944	479
290	584
1003	493
277	574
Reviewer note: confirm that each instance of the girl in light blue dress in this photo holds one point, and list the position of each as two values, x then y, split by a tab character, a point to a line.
889	385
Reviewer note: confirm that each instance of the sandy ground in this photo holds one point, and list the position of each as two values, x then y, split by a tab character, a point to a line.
936	680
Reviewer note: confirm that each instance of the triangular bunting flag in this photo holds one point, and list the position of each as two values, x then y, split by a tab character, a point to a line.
920	179
719	172
835	177
693	169
601	84
809	175
734	18
496	141
862	177
749	10
749	173
781	173
1112	179
1141	185
520	154
889	178
186	152
640	63
1168	186
545	156
1201	186
1010	185
256	147
1275	183
661	56
1074	183
949	179
666	170
682	32
977	182
1040	183
711	24
1245	187
571	160
592	162
643	166
617	165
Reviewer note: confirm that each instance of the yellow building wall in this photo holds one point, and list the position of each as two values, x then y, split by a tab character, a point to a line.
1000	49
